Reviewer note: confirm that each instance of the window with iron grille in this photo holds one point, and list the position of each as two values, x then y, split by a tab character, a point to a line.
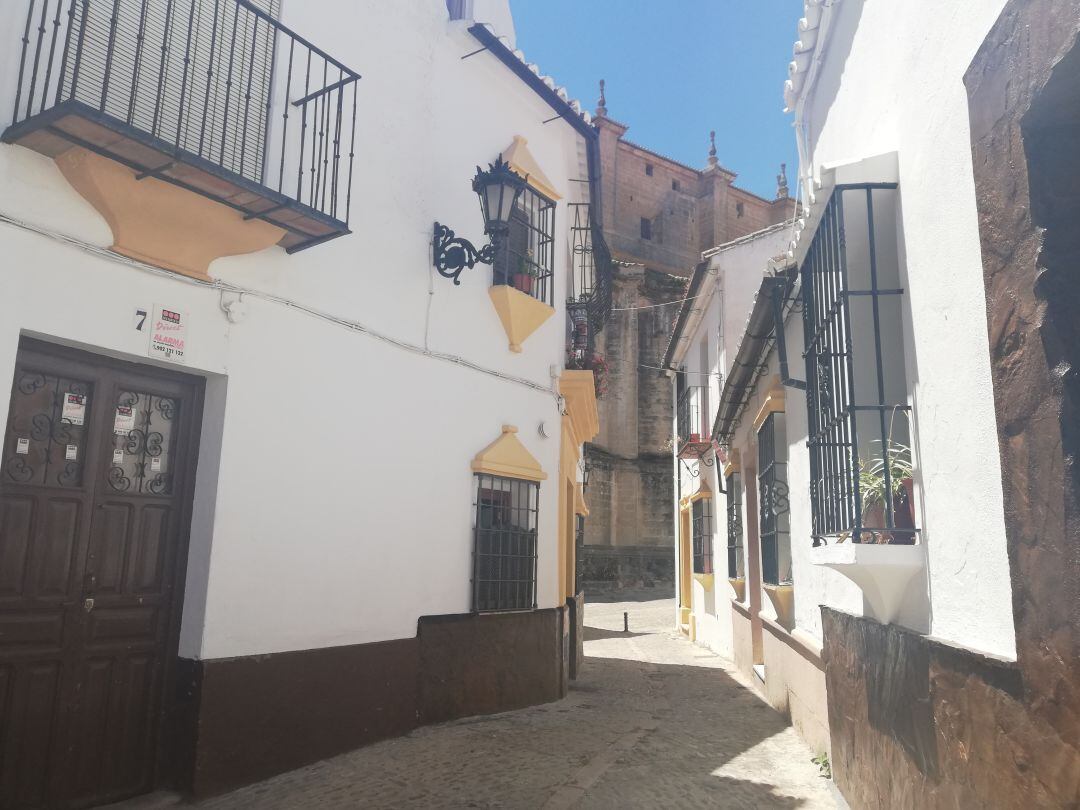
735	559
525	256
859	431
504	543
702	533
773	506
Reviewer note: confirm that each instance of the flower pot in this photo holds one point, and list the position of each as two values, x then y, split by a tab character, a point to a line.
873	520
523	282
904	512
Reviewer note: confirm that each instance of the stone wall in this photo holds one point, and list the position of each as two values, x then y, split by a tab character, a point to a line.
916	723
630	482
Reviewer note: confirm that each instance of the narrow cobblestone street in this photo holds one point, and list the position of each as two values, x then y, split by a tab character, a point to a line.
653	721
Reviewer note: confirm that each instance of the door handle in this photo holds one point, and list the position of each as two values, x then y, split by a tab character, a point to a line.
88	604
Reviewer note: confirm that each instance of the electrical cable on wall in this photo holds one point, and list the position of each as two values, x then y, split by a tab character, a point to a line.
223	286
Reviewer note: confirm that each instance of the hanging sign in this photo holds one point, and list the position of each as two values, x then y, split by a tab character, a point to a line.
74	410
124	421
155	464
117	457
168	334
22	447
71	452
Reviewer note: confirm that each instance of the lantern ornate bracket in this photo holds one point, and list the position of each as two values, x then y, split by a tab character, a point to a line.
498	188
453	254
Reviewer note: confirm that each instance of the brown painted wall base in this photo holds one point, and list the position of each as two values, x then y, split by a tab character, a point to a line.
916	723
245	719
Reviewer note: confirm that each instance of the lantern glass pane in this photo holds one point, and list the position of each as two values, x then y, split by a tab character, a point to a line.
494	213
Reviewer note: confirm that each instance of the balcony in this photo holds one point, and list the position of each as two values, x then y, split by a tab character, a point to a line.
217	99
694	433
588	302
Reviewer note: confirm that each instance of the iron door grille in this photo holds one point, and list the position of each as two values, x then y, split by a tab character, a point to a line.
736	564
773	505
504	543
702	533
859	435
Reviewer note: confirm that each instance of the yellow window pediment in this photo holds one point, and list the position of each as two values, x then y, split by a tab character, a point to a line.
508	457
521	160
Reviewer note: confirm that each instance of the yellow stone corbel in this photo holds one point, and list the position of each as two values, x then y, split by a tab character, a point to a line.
520	314
774	403
733	465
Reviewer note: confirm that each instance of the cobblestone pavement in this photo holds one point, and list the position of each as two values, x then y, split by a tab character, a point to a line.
653	721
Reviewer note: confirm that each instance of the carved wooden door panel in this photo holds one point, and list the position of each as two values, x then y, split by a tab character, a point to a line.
97	464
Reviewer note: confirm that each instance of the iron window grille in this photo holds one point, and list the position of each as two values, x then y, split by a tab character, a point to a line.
774	508
736	558
215	96
857	408
504	543
702	534
524	256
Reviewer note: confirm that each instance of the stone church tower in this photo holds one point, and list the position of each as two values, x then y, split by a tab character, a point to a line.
658	217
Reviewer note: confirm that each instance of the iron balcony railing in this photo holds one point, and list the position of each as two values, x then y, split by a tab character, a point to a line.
212	95
691	417
591	267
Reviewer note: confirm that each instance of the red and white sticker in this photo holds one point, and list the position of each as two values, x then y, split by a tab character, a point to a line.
168	334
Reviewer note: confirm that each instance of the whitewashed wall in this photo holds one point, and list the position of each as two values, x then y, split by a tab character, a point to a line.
334	489
891	81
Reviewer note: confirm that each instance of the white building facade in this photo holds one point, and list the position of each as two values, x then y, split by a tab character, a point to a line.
272	485
846	439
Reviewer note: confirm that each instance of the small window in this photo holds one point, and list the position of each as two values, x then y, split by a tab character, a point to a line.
525	255
703	535
504	543
674	185
736	562
646	228
648	169
773	507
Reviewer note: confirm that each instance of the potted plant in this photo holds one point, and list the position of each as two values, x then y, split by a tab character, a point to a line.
525	273
873	488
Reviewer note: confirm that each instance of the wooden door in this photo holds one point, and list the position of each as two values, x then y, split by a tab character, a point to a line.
95	486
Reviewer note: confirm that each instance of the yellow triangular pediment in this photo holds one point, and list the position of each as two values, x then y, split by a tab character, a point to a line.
522	161
507	456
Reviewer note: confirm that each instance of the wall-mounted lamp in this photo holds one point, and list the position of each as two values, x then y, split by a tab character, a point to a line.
498	189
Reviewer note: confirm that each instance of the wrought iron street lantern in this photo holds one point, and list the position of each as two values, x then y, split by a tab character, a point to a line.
498	188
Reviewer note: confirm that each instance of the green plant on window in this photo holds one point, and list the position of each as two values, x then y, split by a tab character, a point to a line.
896	457
525	264
525	273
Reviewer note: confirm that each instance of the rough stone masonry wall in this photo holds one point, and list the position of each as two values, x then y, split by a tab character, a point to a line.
628	534
916	723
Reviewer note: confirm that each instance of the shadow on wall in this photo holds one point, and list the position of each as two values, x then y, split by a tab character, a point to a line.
845	23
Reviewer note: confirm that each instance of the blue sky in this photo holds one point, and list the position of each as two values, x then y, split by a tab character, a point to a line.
676	69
